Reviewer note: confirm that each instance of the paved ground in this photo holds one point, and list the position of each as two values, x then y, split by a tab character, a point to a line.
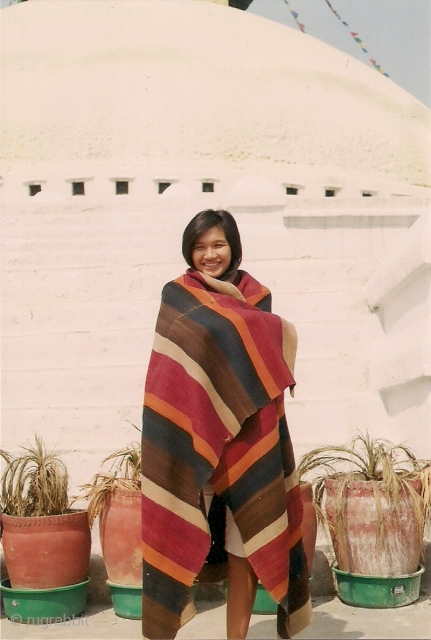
332	619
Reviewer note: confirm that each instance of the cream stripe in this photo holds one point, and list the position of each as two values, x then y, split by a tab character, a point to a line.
166	347
226	288
172	503
266	535
290	345
301	618
291	481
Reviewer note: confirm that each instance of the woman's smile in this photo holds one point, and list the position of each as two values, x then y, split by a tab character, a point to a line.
212	254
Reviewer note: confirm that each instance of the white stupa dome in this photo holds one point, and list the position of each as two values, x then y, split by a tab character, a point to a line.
193	84
255	191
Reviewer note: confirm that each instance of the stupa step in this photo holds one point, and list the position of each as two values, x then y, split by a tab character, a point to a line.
78	349
113	282
90	386
65	315
323	306
316	422
304	274
122	383
107	345
322	339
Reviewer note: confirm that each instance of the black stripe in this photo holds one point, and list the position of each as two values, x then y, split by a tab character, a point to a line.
175	441
223	334
163	589
263	472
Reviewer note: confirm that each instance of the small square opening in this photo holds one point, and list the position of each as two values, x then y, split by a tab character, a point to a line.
33	189
330	193
121	187
78	188
162	186
292	191
208	187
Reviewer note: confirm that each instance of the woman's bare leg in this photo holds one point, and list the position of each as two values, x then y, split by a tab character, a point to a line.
240	596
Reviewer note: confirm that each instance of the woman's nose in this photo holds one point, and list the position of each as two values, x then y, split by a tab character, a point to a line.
209	252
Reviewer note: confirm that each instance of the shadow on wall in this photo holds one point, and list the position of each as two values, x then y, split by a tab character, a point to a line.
405	396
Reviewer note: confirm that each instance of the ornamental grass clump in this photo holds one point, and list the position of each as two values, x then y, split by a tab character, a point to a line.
34	483
124	474
391	469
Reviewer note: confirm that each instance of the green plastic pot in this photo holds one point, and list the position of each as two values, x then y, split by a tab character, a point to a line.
378	592
264	602
126	600
44	606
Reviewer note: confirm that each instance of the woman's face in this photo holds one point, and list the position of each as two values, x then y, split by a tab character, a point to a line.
211	253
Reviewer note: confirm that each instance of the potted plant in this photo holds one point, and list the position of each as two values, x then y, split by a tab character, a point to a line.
46	544
374	498
114	497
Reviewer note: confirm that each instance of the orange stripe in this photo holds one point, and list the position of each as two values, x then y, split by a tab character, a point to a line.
166	565
257	297
208	300
280	590
233	473
184	422
294	536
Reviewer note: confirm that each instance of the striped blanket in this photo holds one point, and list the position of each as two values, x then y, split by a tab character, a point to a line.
214	413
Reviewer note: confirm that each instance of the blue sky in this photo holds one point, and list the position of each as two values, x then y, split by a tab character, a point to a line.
396	33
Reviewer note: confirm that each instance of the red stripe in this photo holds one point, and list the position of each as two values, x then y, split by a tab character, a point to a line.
271	562
188	396
173	537
295	508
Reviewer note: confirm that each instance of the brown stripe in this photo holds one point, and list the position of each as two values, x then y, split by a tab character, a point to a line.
170	473
158	622
267	505
190	336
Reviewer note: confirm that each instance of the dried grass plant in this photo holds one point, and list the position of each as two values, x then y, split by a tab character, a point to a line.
386	466
124	473
34	483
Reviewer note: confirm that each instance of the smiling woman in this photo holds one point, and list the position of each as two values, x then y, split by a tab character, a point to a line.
218	470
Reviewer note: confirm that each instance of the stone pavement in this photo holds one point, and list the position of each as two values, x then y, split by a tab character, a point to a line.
332	619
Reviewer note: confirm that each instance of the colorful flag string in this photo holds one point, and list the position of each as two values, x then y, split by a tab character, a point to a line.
357	39
295	16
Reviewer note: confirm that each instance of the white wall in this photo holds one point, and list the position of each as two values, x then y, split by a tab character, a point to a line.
81	290
399	294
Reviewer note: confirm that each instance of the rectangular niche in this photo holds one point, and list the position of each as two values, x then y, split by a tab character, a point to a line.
122	187
122	184
78	188
331	192
33	189
207	187
34	186
78	185
163	183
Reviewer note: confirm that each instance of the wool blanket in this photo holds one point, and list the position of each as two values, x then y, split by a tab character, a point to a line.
214	413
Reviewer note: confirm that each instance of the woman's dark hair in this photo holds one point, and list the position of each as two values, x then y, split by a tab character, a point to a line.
206	220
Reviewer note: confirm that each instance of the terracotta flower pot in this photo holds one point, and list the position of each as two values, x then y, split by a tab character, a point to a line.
360	550
121	539
47	552
309	523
